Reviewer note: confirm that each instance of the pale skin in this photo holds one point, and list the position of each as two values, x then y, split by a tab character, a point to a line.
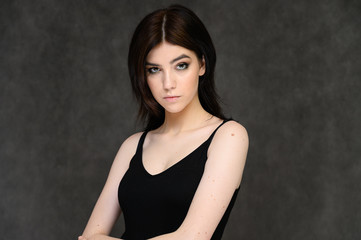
173	74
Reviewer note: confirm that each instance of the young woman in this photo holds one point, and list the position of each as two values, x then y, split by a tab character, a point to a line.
178	179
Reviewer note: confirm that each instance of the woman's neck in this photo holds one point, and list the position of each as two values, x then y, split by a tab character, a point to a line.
192	117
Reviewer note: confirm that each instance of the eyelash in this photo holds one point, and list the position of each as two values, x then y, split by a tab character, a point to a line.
181	66
153	70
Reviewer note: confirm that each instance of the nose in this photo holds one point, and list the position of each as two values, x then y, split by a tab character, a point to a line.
168	81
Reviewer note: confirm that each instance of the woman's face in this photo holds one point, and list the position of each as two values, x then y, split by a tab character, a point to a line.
172	76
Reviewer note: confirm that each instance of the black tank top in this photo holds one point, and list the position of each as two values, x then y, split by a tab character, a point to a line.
157	204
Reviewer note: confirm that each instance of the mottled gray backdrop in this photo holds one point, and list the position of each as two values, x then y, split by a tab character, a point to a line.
289	71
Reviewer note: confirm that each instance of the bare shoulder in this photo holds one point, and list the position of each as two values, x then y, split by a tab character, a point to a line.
232	133
229	145
228	152
129	146
123	158
126	152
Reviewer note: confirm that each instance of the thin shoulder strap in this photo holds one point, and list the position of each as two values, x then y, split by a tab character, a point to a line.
141	141
214	132
142	138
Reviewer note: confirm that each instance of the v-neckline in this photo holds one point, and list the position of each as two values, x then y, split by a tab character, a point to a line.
178	162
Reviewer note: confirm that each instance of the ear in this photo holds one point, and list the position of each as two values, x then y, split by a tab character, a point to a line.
202	68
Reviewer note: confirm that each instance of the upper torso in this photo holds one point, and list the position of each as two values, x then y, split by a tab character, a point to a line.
158	187
173	147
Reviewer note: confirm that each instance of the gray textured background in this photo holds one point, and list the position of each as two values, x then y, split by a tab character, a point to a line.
289	71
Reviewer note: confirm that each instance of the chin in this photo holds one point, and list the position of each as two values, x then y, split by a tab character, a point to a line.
173	109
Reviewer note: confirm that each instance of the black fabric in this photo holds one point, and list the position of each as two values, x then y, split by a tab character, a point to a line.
157	204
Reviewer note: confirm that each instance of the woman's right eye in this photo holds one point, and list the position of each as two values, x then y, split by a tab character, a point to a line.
153	70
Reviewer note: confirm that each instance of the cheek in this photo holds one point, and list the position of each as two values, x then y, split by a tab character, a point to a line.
151	82
153	86
192	79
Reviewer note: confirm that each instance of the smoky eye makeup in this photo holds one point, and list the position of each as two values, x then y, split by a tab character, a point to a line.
182	66
152	70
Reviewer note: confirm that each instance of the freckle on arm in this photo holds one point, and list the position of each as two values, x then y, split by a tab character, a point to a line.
232	134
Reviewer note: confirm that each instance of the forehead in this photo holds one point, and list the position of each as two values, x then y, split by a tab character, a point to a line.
165	52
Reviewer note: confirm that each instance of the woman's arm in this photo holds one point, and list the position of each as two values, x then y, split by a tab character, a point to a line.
223	173
98	237
107	210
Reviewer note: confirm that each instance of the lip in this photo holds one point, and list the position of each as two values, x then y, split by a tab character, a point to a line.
171	98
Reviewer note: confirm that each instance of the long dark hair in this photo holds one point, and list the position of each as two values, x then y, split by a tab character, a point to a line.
179	26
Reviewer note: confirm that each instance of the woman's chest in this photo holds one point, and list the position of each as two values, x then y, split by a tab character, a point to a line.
158	156
169	191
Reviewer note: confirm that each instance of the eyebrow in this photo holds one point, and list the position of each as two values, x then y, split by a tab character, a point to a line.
171	62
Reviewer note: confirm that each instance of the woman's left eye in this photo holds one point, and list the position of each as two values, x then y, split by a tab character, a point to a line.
182	66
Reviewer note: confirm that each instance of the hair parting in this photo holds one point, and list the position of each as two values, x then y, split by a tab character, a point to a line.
163	26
